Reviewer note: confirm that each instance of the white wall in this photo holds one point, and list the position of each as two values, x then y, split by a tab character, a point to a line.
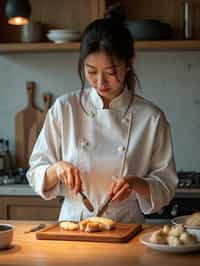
169	79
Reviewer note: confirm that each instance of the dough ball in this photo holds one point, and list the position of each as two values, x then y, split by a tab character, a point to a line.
69	226
176	230
173	241
158	237
187	239
166	229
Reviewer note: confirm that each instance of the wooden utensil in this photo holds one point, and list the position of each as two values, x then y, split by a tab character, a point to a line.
24	120
37	126
121	233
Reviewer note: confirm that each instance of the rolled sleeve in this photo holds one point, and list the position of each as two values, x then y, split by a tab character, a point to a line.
160	196
36	179
46	152
162	178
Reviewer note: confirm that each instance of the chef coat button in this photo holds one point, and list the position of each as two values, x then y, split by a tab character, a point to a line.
84	143
126	120
92	114
121	149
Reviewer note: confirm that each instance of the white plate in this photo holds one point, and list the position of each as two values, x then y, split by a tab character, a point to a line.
144	239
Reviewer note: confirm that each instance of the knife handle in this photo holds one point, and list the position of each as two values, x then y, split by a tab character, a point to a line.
103	208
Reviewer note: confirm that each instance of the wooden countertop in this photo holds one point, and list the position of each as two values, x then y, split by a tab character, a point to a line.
27	250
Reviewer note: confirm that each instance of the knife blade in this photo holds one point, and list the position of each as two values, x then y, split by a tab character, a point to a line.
35	228
104	207
86	202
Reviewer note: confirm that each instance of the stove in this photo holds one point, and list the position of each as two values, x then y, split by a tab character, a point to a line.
189	180
185	202
17	176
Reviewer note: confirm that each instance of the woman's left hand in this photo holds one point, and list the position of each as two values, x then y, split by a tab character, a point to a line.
120	189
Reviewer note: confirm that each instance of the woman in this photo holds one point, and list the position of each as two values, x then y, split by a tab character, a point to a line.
105	140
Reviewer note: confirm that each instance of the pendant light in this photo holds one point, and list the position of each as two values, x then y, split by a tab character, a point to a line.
18	11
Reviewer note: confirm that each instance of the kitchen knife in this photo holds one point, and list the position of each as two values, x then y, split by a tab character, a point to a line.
35	228
104	207
86	202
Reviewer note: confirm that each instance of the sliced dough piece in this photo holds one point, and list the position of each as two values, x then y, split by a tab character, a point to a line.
94	227
83	225
96	224
108	224
194	219
70	226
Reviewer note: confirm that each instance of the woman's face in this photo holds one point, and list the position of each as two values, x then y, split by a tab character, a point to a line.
105	74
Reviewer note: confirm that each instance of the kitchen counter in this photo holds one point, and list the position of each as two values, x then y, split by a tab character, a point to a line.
26	190
16	190
27	250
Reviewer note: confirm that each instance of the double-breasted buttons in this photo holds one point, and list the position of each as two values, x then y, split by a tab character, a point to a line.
126	120
84	144
92	114
121	148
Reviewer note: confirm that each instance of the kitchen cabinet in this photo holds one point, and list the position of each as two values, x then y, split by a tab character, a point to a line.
28	208
75	14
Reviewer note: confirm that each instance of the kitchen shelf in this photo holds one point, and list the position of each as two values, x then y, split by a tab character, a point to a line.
170	45
38	47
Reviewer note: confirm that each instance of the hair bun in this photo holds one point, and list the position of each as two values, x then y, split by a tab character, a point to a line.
117	13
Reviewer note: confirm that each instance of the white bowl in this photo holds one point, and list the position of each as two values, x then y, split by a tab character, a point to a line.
63	31
6	235
194	231
61	37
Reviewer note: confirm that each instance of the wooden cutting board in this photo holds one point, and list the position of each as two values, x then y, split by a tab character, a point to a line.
24	120
35	130
121	233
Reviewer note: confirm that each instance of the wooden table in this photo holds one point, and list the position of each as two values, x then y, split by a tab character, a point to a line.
27	250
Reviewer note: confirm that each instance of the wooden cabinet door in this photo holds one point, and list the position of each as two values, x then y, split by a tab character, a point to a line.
1	208
29	208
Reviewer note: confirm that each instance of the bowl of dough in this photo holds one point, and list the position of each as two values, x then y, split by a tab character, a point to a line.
192	224
63	35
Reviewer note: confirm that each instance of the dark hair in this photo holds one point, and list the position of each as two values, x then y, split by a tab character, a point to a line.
111	36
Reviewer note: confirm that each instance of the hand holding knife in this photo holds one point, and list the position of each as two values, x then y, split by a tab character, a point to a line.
107	201
120	190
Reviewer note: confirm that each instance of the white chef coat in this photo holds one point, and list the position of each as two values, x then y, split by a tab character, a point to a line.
104	143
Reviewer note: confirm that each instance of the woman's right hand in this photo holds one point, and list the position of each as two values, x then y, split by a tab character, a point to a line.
68	174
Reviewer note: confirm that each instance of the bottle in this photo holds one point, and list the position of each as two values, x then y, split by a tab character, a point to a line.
8	158
1	157
187	19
